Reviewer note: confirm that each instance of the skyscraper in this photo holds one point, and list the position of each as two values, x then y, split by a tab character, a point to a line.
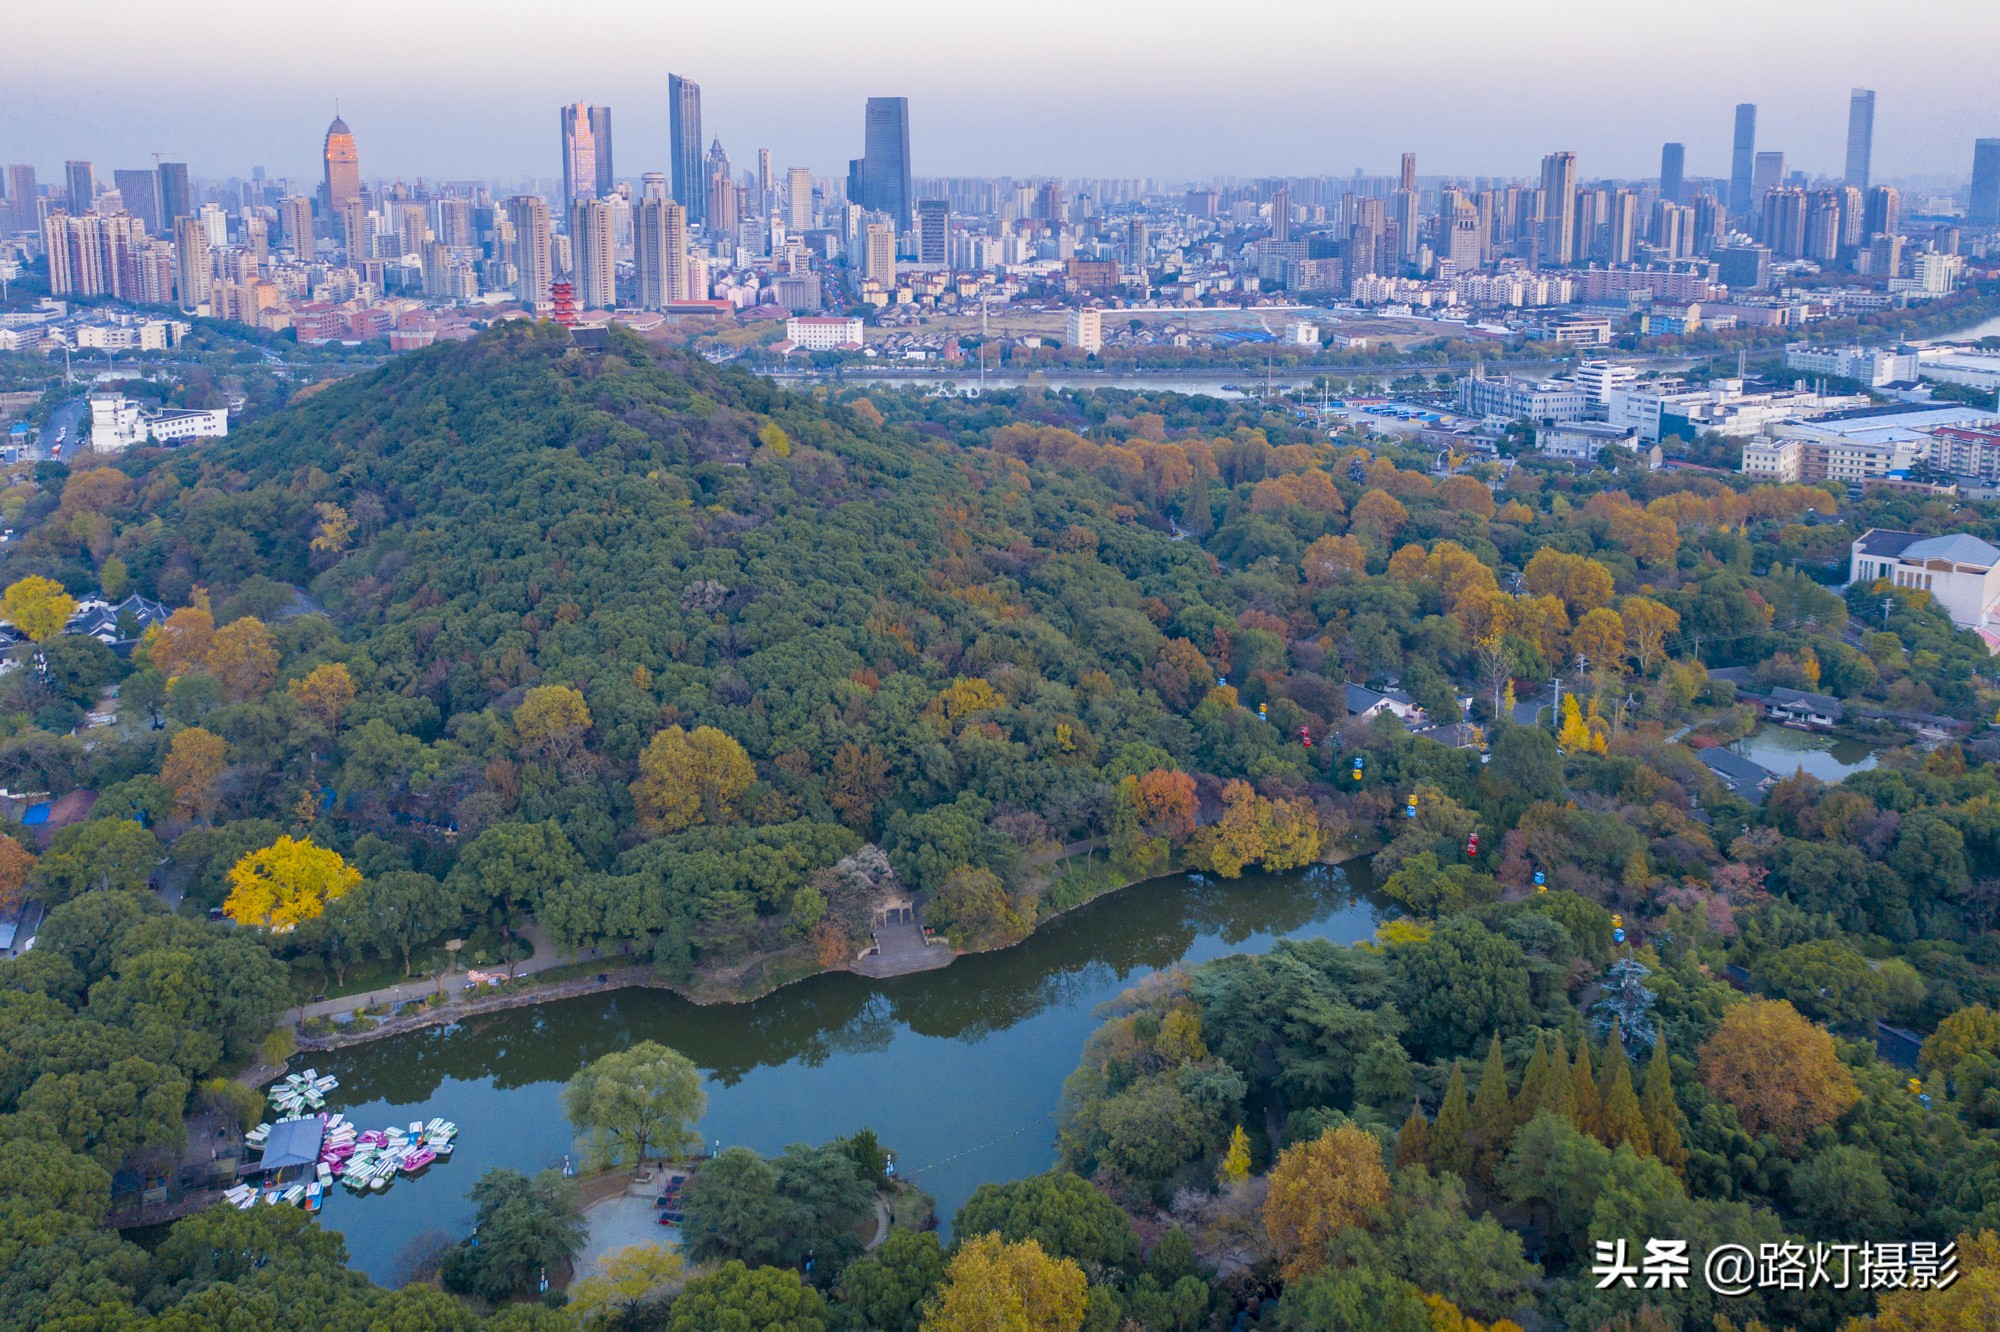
885	160
689	181
141	192
1409	178
583	175
1743	160
1985	205
799	209
600	136
534	262
1860	135
176	195
1558	244
342	162
1884	213
659	250
81	179
1673	160
763	181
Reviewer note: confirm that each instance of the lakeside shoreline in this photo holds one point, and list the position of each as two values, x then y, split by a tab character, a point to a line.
642	975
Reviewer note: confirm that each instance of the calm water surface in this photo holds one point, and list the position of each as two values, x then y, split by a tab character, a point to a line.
1785	751
958	1071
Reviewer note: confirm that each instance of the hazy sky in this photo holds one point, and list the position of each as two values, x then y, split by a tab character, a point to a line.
443	89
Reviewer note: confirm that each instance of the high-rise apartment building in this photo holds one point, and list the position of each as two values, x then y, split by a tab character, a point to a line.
1558	242
1281	214
1783	224
1743	161
1673	162
1409	176
595	243
1883	215
799	199
1984	210
193	267
81	179
689	181
659	250
1768	174
341	161
1624	226
878	254
140	191
882	172
934	234
352	223
74	246
534	262
21	212
764	182
295	224
1860	135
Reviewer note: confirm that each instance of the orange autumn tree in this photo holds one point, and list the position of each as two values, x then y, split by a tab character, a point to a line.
1162	801
687	778
324	693
243	655
196	761
181	644
286	883
1318	1189
15	865
1257	830
1778	1069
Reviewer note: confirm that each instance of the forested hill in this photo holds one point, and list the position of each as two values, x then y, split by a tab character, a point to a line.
665	641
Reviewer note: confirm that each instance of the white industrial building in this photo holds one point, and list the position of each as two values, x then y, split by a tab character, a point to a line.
117	423
1871	367
1960	571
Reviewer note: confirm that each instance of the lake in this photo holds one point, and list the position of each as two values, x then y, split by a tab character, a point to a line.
958	1071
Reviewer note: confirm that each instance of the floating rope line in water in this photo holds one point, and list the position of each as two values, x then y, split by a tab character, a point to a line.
991	1142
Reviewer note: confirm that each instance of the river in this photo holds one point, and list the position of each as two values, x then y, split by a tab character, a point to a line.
958	1071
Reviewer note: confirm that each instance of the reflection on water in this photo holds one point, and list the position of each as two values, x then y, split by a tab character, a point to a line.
1784	751
957	1070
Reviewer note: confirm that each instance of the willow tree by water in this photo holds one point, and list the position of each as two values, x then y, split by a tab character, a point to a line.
636	1103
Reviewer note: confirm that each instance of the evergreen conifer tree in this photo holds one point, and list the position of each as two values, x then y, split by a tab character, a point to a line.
1450	1146
1583	1084
1619	1117
1662	1115
1413	1139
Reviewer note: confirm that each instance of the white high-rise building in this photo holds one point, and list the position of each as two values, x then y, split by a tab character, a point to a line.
534	260
1086	329
595	252
799	201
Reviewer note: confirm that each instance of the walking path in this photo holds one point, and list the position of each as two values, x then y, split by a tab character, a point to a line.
453	983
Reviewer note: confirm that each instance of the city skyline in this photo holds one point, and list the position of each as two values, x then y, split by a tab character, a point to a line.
456	121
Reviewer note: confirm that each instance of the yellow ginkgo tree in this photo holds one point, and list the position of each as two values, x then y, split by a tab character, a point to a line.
287	882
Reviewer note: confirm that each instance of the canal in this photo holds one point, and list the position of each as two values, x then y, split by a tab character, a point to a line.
958	1071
